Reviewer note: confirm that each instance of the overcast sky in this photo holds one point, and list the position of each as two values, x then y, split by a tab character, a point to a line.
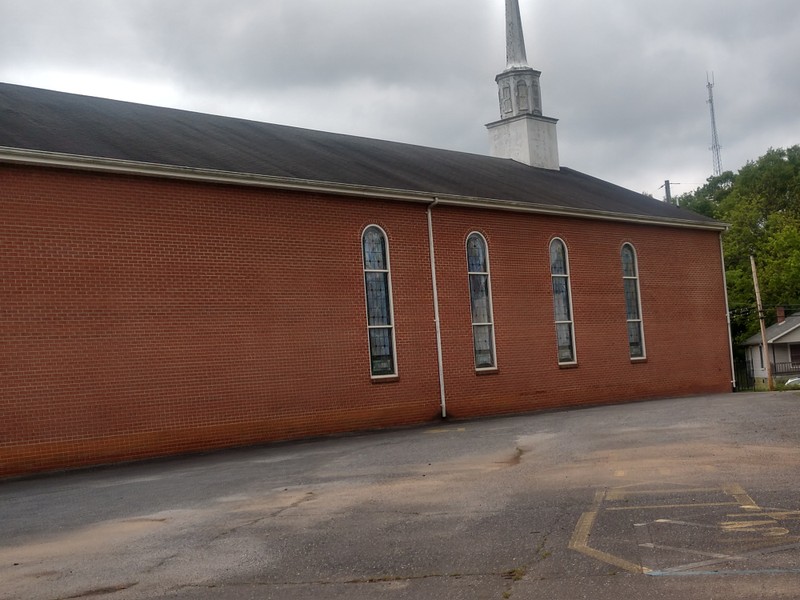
625	78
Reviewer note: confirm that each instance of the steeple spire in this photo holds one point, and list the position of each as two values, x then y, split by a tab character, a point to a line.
515	40
522	133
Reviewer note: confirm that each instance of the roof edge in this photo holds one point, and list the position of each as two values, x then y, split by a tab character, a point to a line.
755	339
126	167
783	334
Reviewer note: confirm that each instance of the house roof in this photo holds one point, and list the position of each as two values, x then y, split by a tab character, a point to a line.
775	332
60	129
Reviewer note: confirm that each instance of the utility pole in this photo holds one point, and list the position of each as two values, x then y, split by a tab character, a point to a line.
770	383
715	147
668	191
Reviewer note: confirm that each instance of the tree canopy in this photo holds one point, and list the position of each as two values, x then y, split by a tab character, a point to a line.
761	203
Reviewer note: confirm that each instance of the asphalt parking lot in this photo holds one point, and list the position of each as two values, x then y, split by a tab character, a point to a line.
685	498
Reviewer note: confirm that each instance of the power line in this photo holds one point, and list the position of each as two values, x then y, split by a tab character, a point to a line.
747	310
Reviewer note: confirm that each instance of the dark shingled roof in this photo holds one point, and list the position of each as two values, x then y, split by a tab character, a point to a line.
56	122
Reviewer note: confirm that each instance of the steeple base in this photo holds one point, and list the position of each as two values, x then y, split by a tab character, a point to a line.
529	139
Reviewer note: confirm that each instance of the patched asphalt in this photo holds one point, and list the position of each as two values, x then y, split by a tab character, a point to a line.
682	498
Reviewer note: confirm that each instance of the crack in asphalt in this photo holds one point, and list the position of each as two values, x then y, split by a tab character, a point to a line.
357	581
103	591
309	496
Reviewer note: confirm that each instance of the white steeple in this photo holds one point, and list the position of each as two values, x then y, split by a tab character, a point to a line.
515	41
522	133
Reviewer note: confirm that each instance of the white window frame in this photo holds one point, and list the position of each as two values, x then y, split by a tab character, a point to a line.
488	274
571	322
640	320
391	326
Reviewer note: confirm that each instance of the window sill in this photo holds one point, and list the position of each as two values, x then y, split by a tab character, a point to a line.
491	371
572	365
635	361
385	379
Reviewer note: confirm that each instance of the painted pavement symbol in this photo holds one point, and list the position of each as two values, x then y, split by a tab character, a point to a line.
667	529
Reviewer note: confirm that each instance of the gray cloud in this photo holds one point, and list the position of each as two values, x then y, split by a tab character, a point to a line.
626	78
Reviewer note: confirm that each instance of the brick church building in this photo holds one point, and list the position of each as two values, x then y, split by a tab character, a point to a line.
174	282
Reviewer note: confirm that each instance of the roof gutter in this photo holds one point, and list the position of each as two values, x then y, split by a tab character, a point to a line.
126	167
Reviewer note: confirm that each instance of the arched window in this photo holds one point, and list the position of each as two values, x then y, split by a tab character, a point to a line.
378	286
480	297
633	306
562	302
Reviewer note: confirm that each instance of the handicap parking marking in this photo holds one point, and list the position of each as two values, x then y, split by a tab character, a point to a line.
652	528
580	539
688	569
683	505
685	550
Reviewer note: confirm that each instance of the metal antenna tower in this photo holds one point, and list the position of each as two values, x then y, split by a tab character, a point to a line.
715	147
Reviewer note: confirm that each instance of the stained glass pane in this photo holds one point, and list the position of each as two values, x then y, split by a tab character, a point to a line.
380	349
566	352
635	339
378	312
479	298
484	353
476	255
558	258
374	250
631	298
561	299
628	262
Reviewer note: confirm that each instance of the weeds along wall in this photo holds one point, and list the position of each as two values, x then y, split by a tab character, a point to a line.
143	317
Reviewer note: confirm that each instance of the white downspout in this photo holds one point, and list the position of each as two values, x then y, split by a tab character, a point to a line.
436	308
727	312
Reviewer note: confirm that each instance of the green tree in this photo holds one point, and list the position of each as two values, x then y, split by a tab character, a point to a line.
761	203
705	200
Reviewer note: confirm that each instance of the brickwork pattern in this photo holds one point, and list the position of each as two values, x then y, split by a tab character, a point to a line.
683	307
144	317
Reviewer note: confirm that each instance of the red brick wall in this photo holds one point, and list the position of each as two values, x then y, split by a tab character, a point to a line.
683	307
143	317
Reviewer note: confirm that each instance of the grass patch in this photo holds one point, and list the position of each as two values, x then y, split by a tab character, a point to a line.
515	574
